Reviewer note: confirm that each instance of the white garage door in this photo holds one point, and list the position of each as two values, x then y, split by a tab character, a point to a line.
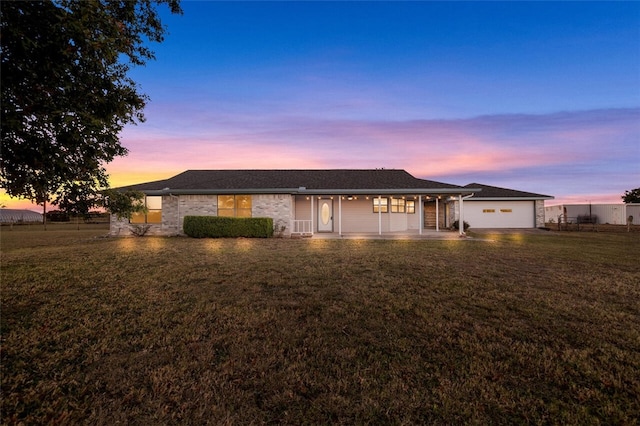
500	214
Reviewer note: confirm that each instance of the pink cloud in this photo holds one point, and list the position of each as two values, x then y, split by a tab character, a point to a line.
432	147
602	198
550	153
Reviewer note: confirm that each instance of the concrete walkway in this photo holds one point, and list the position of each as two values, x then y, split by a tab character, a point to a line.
405	235
427	234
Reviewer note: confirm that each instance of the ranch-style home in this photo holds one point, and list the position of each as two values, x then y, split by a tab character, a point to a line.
307	202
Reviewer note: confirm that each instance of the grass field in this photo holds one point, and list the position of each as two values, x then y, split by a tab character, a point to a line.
502	328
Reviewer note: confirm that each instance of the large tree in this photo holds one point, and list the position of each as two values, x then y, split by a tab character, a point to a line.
66	94
632	196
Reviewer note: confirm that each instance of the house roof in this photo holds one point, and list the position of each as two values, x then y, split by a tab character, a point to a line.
384	181
496	193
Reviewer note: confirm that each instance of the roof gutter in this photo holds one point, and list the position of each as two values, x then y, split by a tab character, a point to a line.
305	191
512	198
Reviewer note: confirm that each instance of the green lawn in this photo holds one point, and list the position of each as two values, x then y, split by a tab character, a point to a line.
509	328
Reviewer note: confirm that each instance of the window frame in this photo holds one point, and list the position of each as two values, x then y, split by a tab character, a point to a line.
380	204
143	218
398	205
239	202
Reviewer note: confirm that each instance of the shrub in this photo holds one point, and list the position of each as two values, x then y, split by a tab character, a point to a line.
139	230
220	227
456	225
57	216
278	230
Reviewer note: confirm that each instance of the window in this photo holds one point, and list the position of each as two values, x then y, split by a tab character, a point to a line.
380	205
234	205
154	211
411	206
489	211
397	205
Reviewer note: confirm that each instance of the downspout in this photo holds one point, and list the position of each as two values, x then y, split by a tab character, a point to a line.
461	218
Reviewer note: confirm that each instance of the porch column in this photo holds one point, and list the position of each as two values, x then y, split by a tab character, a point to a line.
437	216
312	215
421	214
461	217
380	215
340	215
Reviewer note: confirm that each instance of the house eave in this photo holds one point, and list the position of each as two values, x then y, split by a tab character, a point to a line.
169	191
509	198
386	191
305	191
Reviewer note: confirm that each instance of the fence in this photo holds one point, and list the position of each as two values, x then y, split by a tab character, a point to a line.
301	227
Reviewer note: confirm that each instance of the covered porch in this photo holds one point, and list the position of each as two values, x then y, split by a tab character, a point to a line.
381	215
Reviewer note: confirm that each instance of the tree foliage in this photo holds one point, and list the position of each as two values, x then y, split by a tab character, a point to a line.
66	94
632	196
123	204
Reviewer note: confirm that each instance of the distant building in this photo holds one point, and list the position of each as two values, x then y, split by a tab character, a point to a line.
613	214
19	216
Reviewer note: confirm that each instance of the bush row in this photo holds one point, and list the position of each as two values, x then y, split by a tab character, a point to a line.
219	227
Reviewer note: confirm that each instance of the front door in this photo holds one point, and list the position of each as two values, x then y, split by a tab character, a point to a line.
325	215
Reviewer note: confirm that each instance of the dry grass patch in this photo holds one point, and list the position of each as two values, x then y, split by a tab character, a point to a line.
519	329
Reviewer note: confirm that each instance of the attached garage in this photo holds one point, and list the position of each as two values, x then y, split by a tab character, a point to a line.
495	207
500	214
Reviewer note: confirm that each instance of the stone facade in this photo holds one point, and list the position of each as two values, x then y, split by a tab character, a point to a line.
122	228
279	207
539	213
454	213
194	205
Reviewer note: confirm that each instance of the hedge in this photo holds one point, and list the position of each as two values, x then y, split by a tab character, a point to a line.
220	227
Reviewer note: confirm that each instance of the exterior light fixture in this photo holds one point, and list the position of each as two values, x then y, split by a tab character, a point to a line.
350	197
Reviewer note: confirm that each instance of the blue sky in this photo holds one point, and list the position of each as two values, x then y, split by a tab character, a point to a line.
536	96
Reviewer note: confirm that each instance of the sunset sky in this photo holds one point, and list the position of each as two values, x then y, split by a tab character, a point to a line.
536	96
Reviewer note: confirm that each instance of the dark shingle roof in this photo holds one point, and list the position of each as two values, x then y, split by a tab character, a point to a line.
489	191
367	179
